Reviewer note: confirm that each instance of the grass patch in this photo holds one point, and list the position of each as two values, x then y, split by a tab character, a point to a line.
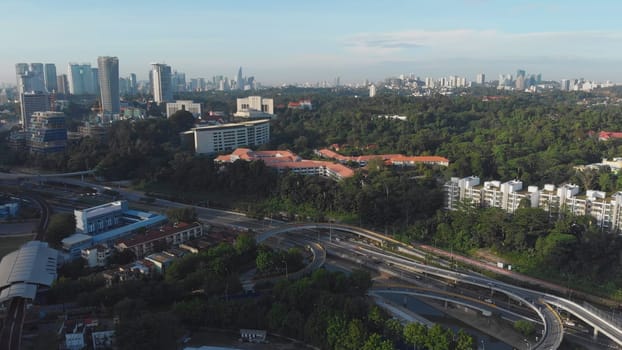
9	244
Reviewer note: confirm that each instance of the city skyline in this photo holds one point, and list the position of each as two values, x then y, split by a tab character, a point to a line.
279	41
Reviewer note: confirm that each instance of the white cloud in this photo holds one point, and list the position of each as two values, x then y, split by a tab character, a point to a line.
485	44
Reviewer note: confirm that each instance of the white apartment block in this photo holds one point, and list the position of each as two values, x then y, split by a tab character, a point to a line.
227	137
255	107
510	195
190	106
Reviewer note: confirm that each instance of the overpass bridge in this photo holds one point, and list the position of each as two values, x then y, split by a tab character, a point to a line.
539	302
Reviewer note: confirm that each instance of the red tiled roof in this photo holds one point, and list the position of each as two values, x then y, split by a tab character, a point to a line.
154	234
388	158
606	135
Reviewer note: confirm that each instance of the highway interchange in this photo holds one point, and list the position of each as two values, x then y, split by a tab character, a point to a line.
542	304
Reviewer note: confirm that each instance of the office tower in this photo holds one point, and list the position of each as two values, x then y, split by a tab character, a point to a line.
51	84
29	77
31	102
133	88
239	81
109	84
161	76
520	73
372	90
47	132
38	77
62	84
179	81
481	79
520	83
80	79
95	81
565	85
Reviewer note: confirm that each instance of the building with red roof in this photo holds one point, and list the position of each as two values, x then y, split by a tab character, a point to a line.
287	160
609	135
390	159
142	244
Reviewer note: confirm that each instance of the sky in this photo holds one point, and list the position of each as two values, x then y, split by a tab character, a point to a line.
289	41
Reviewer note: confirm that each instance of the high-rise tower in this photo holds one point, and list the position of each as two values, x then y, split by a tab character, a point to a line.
161	82
239	82
109	84
49	75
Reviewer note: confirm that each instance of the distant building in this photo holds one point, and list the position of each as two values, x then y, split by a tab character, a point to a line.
226	137
109	84
190	106
50	78
162	82
372	90
254	107
47	132
480	79
31	102
81	80
239	81
62	84
301	104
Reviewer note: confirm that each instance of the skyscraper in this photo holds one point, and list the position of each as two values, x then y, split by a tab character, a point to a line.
62	84
31	102
239	82
80	79
31	90
109	84
50	77
480	79
38	77
161	82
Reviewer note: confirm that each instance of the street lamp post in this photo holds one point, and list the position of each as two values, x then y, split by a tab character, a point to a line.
483	345
528	344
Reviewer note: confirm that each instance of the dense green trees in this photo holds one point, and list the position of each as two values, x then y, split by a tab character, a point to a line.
61	225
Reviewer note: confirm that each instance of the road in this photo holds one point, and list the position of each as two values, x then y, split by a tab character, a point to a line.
11	335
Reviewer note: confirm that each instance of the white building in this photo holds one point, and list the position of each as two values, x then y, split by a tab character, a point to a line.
372	90
226	137
255	107
510	195
162	85
190	106
97	255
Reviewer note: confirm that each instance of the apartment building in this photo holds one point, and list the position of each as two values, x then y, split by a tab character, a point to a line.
510	196
226	137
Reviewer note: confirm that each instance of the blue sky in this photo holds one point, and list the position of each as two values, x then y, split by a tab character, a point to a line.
297	41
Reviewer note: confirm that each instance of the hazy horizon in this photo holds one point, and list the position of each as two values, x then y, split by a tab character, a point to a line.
286	42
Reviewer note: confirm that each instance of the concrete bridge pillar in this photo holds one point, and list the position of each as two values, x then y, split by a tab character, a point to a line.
596	330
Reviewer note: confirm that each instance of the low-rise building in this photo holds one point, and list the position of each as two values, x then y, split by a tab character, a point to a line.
103	224
96	256
190	106
255	107
142	244
390	159
287	160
